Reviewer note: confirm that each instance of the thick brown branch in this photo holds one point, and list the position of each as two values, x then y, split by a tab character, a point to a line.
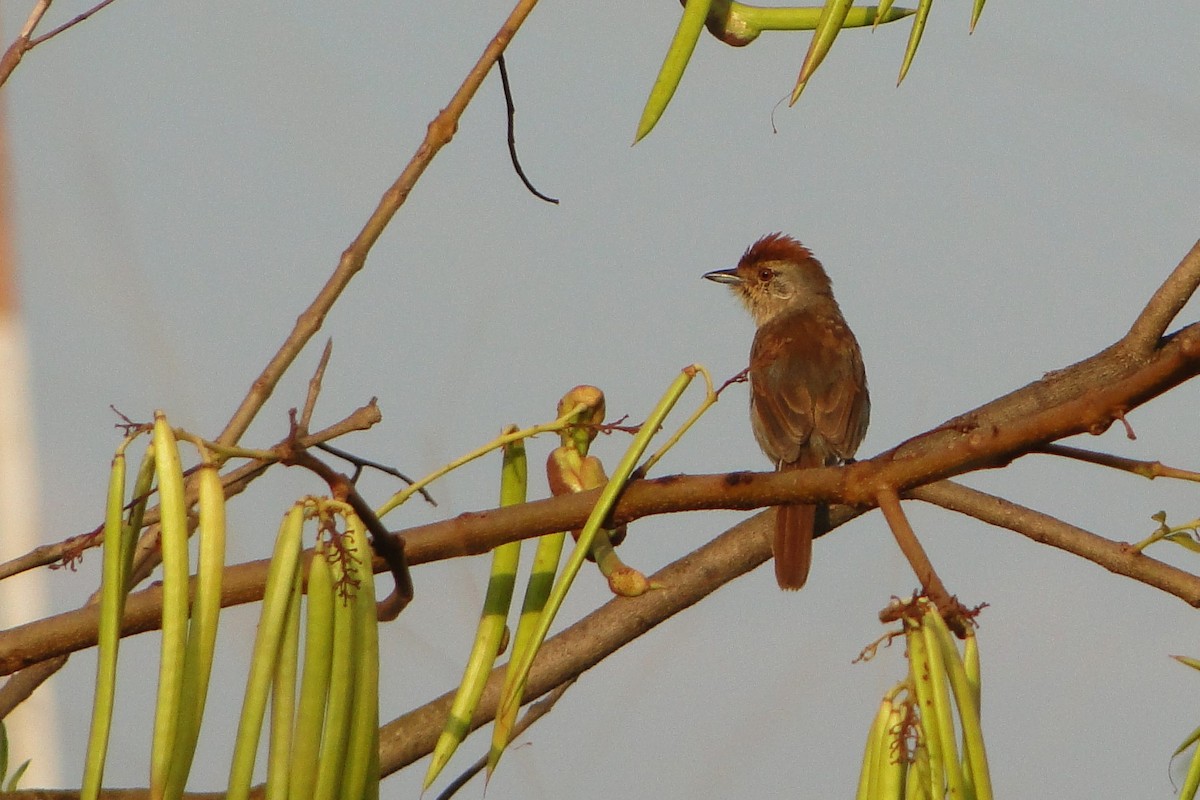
1086	396
75	630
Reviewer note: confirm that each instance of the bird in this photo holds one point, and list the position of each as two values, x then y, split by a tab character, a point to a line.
809	404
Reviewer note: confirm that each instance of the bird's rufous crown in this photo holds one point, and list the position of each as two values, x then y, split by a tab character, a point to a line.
775	247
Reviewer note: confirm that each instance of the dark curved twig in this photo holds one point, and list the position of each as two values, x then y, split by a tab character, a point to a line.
512	138
360	463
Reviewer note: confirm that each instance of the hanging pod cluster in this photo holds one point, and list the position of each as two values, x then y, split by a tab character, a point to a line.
324	742
926	741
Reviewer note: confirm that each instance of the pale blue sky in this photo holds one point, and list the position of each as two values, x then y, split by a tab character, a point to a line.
187	176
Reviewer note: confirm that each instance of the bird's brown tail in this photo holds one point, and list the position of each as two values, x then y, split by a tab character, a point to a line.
793	544
795	526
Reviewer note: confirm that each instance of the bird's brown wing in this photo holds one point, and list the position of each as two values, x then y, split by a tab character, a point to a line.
808	387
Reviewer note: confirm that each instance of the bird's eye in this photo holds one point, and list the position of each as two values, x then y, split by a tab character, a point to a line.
765	274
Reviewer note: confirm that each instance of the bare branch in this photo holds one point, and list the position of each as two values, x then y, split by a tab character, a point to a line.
1146	469
440	132
16	51
34	42
1084	397
1116	557
512	135
1165	305
28	644
25	41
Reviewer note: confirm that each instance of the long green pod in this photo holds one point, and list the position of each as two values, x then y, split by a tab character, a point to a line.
882	10
142	487
608	498
1192	738
695	12
965	697
586	404
363	741
805	18
173	542
941	703
202	631
922	679
1191	781
917	784
971	665
891	757
914	37
372	790
341	681
283	700
112	606
541	580
829	25
976	12
514	482
276	599
314	684
868	777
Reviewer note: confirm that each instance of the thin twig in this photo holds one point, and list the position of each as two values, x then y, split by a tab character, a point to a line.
25	41
1145	469
314	388
512	138
361	463
34	42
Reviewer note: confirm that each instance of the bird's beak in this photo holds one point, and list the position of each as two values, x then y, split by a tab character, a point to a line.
727	276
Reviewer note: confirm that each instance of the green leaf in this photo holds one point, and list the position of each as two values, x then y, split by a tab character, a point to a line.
1184	540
